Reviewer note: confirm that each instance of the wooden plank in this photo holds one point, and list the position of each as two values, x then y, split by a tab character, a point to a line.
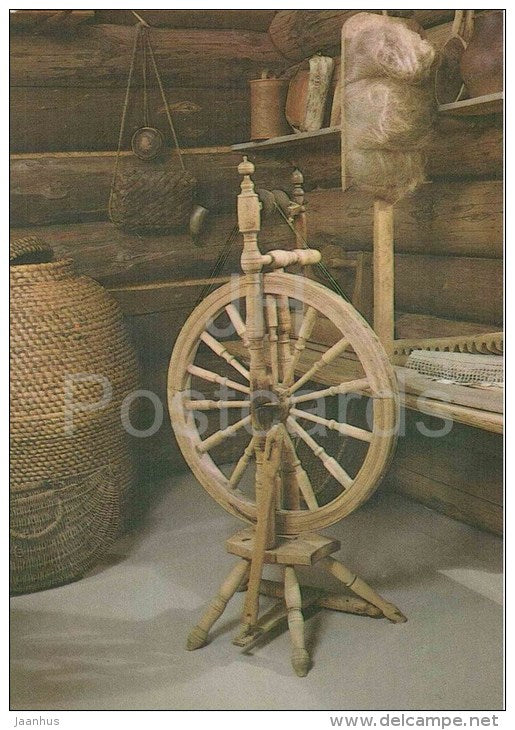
74	187
465	458
68	119
448	500
303	138
480	105
455	219
485	399
444	286
100	55
229	19
493	422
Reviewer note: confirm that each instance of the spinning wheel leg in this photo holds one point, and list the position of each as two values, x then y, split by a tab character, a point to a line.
198	635
299	657
362	589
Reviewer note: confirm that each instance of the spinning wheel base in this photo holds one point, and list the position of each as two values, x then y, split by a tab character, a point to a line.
304	550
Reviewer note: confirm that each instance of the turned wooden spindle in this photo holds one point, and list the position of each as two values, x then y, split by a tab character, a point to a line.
362	589
299	656
249	224
198	635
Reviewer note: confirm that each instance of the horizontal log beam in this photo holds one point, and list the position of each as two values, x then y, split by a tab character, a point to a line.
228	19
48	21
113	257
51	188
100	55
74	187
298	34
68	119
457	219
461	288
446	286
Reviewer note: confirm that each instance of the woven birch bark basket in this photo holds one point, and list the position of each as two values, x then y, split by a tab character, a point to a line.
71	471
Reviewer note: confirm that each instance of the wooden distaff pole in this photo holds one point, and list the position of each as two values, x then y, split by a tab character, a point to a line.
384	321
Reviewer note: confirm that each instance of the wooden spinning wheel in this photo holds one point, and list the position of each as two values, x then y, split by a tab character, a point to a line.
268	391
288	395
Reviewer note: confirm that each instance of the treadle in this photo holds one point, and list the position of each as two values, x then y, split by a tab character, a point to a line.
305	549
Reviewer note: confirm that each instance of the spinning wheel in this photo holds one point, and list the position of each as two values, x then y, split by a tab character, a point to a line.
287	298
270	392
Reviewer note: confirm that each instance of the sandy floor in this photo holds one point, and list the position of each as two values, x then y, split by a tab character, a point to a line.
115	640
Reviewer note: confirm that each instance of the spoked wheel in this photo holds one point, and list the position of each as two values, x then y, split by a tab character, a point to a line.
303	384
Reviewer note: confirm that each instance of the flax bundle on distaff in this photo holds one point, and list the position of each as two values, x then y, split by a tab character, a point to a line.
386	122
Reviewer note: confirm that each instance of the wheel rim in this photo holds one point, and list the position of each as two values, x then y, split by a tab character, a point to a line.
381	384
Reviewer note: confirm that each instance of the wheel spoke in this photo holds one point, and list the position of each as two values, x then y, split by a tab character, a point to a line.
242	463
215	378
326	359
237	323
332	466
344	428
351	386
302	480
305	330
212	405
220	436
284	329
272	324
222	352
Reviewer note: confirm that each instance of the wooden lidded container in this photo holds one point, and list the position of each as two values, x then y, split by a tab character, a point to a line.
267	105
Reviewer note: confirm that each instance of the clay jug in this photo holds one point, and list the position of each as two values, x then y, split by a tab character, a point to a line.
482	62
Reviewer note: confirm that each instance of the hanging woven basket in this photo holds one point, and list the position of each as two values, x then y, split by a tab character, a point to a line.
152	201
152	192
71	470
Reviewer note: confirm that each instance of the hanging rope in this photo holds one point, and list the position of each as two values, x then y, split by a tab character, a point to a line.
142	36
124	115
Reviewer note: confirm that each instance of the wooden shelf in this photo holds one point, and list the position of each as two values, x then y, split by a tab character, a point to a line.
288	140
488	104
480	105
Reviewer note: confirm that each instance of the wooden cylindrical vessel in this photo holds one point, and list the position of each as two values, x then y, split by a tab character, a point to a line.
267	106
71	471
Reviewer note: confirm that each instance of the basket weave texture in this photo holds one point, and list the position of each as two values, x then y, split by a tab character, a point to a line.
71	469
153	199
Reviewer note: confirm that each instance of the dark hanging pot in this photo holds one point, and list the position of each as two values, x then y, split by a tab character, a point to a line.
482	62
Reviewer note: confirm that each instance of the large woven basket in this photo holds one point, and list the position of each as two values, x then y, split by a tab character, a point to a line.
71	471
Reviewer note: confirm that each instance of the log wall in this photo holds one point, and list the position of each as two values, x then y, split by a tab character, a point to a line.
65	113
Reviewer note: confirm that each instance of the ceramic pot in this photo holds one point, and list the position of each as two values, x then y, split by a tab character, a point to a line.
482	62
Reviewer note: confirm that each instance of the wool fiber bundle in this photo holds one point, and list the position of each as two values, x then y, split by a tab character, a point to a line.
380	46
382	113
388	104
386	174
